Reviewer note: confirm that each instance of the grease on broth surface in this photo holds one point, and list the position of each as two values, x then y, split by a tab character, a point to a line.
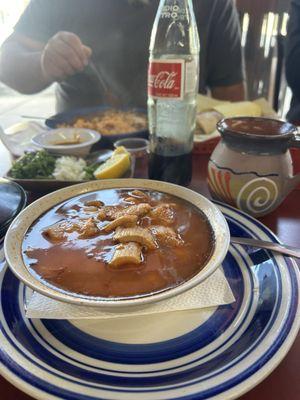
83	265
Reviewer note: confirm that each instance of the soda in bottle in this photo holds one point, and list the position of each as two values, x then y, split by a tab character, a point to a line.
173	78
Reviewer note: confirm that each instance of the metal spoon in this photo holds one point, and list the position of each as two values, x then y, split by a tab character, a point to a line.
280	248
99	156
33	117
110	97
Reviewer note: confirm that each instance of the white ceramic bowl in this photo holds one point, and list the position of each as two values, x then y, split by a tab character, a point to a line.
14	239
47	139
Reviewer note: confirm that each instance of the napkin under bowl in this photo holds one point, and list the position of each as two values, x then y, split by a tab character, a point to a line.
213	292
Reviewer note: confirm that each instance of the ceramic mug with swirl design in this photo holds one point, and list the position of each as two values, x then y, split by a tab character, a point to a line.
251	168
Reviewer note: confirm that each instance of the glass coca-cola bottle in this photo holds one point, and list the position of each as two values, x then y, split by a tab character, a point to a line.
173	77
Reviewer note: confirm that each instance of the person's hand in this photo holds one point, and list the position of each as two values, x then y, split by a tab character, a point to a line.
63	56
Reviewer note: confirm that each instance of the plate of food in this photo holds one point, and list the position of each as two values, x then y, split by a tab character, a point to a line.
42	171
216	353
112	124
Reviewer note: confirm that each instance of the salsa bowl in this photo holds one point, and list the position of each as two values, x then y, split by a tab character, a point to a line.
67	141
16	236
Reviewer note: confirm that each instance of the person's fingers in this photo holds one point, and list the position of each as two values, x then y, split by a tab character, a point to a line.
66	52
75	43
52	57
64	55
88	51
50	69
57	73
61	63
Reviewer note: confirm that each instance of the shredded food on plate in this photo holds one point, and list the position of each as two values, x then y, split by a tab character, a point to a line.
112	122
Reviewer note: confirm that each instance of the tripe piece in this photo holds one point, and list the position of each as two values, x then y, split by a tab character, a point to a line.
94	203
113	212
125	220
90	209
58	232
132	200
166	236
88	228
136	234
140	195
163	214
127	253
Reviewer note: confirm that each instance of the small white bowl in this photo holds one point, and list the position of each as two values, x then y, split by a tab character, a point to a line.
47	140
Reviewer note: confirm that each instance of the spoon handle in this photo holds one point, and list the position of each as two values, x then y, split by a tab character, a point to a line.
33	117
281	248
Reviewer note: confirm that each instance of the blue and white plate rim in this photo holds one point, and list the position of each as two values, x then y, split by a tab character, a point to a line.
242	387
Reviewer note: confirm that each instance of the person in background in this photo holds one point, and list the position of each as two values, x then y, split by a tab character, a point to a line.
292	60
97	50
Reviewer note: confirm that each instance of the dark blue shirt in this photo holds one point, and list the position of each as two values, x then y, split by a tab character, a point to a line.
118	31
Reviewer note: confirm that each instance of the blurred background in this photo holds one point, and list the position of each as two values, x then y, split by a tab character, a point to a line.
264	27
13	103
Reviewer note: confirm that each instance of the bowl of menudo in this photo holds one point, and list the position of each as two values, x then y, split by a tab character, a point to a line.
117	243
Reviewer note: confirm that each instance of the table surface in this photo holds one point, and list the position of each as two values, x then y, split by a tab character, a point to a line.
284	382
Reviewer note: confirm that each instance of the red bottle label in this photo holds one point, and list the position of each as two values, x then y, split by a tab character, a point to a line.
166	79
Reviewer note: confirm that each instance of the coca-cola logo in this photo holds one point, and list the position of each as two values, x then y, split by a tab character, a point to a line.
165	79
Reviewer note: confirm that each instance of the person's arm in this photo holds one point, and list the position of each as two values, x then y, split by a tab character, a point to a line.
20	66
29	66
292	63
225	61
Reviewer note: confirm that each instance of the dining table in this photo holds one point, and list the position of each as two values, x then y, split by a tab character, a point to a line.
283	382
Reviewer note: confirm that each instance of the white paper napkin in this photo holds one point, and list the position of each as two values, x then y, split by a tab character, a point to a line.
213	292
17	138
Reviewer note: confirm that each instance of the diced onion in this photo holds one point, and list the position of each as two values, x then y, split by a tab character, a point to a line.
69	169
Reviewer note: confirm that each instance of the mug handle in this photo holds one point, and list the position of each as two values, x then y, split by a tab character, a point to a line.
293	182
295	141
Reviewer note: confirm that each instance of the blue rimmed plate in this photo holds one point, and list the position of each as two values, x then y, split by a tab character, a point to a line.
215	353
